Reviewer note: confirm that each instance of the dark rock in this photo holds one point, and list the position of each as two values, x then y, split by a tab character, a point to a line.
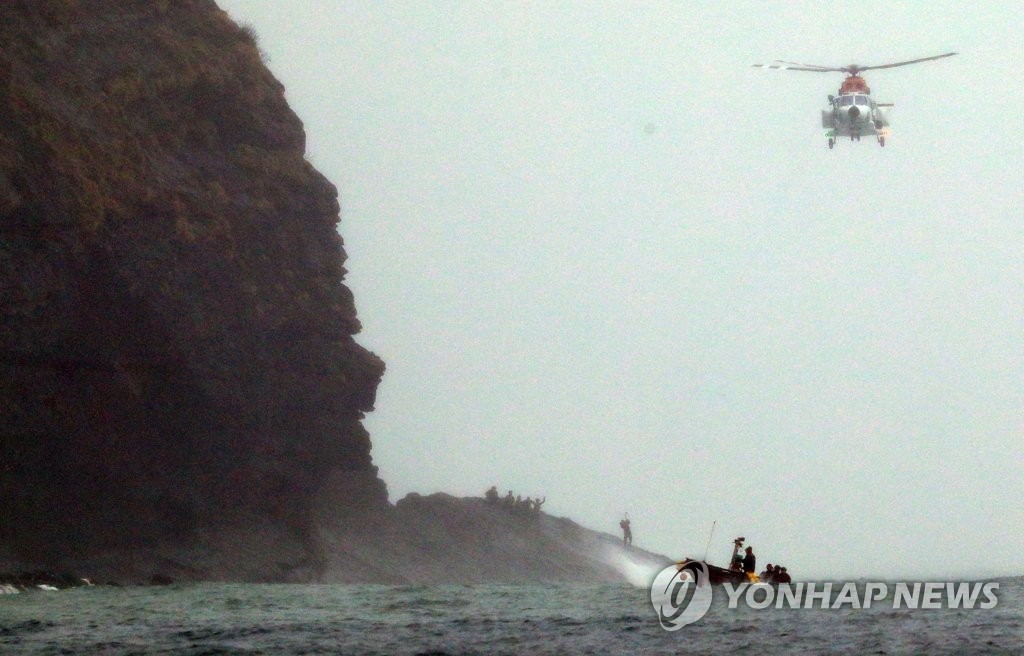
443	539
176	351
34	579
160	579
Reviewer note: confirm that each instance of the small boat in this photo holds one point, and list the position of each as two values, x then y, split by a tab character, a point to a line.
733	575
719	575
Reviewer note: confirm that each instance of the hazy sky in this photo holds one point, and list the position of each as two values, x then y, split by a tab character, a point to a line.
608	262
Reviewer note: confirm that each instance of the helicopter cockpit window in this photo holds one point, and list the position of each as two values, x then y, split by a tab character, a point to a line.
863	100
845	101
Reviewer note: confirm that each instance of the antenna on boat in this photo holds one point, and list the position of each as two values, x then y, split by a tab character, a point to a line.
708	548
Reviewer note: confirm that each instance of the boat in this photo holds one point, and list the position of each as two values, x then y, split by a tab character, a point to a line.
734	575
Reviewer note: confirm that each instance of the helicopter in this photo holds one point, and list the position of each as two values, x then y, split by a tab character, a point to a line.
852	113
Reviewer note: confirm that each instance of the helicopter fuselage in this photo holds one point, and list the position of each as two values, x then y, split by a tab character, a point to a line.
853	114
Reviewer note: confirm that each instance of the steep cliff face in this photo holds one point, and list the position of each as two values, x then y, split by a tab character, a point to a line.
176	352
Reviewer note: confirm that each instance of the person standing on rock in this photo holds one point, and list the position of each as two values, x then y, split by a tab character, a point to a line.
627	534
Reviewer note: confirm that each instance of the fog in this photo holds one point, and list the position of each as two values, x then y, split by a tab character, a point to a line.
610	263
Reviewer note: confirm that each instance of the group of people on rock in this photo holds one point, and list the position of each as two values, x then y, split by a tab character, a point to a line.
775	574
514	503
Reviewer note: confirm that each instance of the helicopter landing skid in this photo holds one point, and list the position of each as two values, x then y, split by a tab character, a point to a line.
833	136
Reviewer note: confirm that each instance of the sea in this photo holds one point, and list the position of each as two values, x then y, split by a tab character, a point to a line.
216	618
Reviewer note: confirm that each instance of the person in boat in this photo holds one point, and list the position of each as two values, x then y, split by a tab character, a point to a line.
782	576
750	564
491	495
627	534
768	574
736	564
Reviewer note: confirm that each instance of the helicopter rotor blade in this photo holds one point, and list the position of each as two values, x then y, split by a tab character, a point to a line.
904	63
780	61
784	67
852	69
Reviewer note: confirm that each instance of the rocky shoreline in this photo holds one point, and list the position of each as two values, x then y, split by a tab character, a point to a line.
436	539
40	580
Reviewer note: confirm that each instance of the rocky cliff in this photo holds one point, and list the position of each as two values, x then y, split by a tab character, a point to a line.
176	351
180	391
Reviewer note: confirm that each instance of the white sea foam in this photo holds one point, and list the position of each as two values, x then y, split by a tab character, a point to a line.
637	571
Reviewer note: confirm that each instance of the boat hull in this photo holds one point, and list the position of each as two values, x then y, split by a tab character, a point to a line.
718	575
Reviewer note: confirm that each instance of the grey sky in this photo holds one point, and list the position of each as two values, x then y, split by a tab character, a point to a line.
609	262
